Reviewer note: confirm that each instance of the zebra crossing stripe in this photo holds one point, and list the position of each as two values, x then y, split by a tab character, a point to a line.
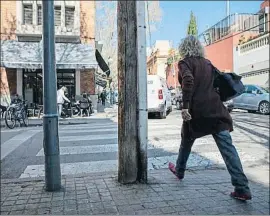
75	150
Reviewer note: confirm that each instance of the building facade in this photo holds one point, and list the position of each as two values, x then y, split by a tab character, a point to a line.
157	60
221	40
251	57
21	48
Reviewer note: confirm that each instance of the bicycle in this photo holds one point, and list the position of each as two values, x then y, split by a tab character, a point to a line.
16	112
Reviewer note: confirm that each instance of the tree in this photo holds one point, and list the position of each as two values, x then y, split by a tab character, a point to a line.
192	26
106	29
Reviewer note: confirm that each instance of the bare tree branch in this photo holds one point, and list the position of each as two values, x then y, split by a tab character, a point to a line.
106	29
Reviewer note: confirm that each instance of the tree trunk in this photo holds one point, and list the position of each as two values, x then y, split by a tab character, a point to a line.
127	106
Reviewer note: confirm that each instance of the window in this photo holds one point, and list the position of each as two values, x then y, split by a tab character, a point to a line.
27	14
250	89
69	16
39	15
57	15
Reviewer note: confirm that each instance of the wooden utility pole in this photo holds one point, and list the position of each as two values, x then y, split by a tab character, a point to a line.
127	99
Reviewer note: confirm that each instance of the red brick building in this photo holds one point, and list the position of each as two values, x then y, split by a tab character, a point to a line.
21	48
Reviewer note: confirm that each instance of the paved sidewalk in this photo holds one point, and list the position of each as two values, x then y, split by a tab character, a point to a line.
201	192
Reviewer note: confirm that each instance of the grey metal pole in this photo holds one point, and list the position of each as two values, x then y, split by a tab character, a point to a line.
142	93
50	118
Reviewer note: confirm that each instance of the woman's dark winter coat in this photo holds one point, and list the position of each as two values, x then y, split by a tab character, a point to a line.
209	115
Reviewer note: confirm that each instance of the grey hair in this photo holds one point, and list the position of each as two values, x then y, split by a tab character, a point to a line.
191	47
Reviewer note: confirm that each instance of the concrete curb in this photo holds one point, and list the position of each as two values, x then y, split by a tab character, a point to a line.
111	174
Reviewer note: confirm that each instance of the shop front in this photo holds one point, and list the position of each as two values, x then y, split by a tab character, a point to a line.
76	68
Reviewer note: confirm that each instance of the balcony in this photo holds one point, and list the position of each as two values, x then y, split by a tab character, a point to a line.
255	44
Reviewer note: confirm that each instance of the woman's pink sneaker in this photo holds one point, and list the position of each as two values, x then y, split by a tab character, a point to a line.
172	169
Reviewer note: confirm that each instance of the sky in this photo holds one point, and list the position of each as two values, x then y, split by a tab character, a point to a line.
176	14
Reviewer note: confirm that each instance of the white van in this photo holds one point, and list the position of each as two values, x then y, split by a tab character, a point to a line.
158	96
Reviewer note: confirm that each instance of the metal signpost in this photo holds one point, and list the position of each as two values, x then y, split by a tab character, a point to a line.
50	118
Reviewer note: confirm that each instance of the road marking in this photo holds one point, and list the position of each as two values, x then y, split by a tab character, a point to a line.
195	160
86	149
90	130
13	143
88	126
88	137
103	166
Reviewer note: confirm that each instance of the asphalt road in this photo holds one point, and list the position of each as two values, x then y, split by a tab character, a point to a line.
90	148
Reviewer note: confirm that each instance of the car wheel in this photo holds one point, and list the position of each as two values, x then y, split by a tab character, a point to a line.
264	107
178	105
163	114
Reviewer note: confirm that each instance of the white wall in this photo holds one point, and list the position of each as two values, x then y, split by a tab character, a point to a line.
161	66
250	57
258	58
259	79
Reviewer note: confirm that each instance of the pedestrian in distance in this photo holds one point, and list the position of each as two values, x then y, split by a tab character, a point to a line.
103	97
61	98
204	114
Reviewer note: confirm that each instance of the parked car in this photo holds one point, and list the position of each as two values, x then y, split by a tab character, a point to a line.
158	96
255	98
229	105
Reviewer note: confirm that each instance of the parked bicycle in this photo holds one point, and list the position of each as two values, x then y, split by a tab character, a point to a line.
16	112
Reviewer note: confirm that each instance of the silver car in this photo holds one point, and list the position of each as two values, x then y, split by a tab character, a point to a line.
255	98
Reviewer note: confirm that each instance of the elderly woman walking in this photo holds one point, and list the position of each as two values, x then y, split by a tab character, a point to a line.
203	114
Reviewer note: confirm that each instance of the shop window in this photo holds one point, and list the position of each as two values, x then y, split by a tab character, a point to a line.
28	14
32	87
69	16
67	78
33	84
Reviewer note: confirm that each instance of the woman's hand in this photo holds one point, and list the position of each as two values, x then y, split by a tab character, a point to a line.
185	115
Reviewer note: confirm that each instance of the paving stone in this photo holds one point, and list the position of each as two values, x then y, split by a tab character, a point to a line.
16	212
32	201
70	207
168	210
45	205
6	208
11	198
30	212
156	211
9	203
70	212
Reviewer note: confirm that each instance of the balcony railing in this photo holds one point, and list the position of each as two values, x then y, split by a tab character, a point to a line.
231	24
255	44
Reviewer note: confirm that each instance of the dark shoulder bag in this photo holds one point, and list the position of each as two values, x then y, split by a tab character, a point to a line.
228	85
